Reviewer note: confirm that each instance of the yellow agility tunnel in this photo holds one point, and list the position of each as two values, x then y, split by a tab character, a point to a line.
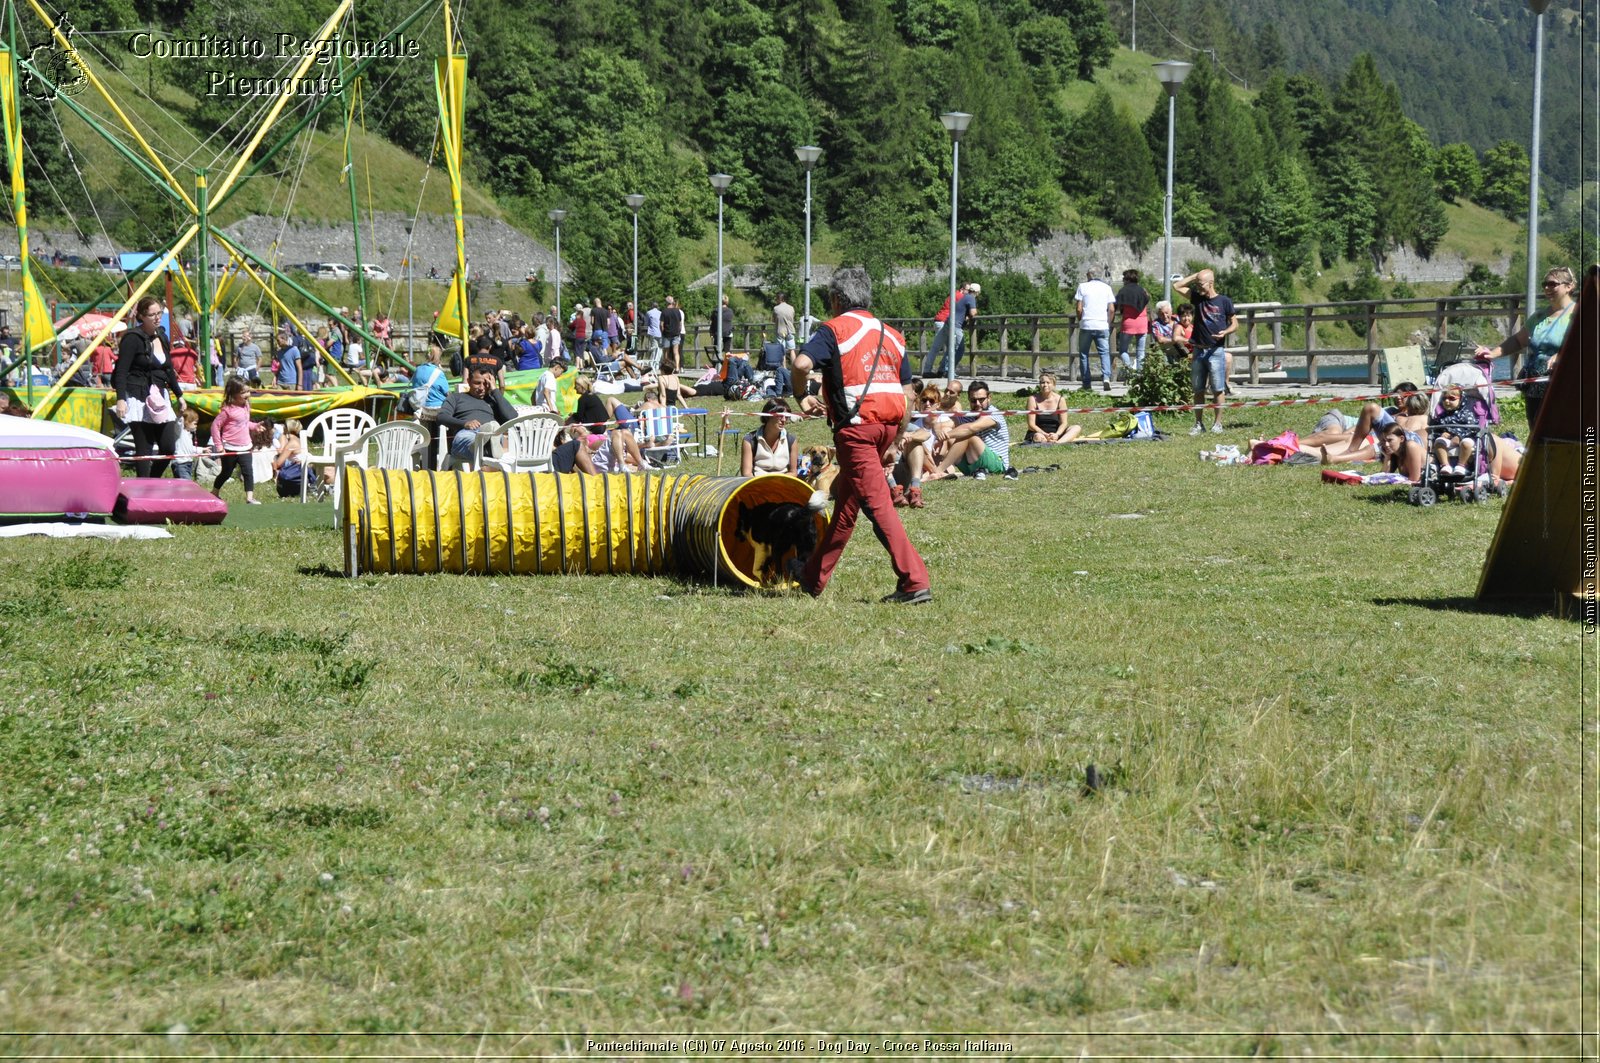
493	522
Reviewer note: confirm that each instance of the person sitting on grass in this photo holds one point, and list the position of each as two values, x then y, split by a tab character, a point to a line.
466	413
1047	423
770	449
1403	451
593	415
915	450
577	453
1452	451
951	403
980	444
289	462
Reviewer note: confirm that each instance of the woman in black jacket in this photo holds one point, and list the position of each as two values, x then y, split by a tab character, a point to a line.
141	380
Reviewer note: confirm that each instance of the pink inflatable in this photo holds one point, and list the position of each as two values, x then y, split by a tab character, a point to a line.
50	469
160	501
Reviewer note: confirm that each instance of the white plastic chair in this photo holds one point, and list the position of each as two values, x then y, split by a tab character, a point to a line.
338	429
391	445
526	443
659	436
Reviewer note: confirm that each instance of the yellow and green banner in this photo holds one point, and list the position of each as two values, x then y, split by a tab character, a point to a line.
281	407
450	86
37	330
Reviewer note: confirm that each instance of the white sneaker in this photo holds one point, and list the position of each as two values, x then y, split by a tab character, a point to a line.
980	476
1197	429
1459	472
1217	429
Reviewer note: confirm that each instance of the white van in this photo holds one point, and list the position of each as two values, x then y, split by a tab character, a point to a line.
334	271
374	273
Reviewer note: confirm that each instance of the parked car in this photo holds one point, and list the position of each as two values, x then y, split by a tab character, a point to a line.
334	271
374	273
10	262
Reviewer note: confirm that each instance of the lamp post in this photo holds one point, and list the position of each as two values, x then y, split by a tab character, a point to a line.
634	202
808	156
1538	8
719	184
955	123
1171	74
557	216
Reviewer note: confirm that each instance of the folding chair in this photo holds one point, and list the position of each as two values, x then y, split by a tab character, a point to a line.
659	436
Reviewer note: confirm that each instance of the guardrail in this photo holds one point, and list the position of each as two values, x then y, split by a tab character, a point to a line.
1020	346
1007	346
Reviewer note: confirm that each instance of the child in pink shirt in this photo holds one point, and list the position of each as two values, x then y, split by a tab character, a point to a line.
230	435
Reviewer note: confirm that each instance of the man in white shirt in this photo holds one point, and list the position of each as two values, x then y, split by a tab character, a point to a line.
1096	302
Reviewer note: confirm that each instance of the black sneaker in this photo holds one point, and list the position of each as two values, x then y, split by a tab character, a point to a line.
1011	474
921	597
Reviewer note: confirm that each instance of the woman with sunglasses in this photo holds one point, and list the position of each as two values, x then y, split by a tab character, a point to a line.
1541	338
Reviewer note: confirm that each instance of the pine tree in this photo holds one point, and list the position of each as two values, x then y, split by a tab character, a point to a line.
1111	169
1370	123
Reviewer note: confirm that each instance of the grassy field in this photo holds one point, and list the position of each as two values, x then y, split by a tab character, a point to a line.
1339	809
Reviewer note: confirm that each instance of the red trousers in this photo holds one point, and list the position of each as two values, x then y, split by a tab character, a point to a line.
861	485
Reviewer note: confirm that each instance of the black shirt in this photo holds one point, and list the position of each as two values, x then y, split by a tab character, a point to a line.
671	323
591	411
565	457
484	359
1134	297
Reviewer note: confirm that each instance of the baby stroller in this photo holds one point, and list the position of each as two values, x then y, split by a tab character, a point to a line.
1440	482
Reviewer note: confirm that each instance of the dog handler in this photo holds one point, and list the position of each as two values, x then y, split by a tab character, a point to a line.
866	394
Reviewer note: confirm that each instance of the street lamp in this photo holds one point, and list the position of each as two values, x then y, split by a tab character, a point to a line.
955	123
557	216
634	202
719	185
808	157
1538	8
1171	74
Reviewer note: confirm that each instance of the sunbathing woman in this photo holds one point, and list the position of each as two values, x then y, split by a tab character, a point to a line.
1339	438
1046	419
1504	457
1404	451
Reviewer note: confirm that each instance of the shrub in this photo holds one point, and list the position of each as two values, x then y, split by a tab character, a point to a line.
1159	383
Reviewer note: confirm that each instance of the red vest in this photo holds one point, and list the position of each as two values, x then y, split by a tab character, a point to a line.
881	395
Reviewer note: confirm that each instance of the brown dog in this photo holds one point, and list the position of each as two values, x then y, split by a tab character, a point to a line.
823	469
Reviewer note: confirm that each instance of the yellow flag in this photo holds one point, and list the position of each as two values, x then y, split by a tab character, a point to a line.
449	320
37	328
37	331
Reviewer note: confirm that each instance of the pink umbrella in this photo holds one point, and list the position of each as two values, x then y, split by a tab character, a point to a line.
88	326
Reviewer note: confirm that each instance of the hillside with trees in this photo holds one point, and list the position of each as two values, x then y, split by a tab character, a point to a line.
1322	159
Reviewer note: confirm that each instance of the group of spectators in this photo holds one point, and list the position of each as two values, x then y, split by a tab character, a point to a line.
297	364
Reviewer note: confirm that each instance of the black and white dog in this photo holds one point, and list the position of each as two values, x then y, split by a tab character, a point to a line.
773	529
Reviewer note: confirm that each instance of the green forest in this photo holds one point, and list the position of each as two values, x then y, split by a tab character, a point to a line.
1287	147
